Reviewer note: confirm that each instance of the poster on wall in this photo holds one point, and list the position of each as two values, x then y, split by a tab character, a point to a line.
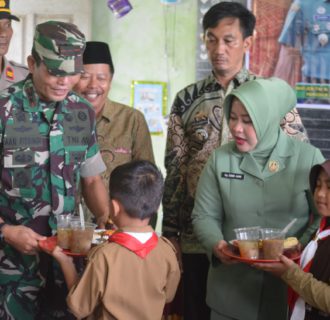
150	97
294	45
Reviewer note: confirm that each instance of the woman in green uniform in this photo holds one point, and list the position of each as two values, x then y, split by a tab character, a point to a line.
260	178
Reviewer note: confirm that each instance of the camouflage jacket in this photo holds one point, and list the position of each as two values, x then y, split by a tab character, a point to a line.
43	147
196	127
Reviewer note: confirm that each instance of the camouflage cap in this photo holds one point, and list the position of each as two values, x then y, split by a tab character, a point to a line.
60	45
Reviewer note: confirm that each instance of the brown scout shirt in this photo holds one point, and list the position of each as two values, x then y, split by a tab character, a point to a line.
118	284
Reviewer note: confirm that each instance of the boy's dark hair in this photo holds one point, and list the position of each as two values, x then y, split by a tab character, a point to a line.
230	10
138	186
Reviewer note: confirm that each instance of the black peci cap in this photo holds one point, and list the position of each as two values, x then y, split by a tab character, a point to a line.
5	12
98	52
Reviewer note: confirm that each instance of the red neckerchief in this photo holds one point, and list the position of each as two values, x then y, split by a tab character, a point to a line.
292	295
133	244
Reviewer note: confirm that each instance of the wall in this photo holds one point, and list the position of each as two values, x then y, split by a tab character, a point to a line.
152	42
32	12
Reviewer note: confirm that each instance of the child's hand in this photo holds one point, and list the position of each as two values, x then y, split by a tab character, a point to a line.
49	245
288	262
277	268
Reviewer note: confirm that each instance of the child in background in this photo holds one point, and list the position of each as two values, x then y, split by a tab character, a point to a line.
134	274
311	280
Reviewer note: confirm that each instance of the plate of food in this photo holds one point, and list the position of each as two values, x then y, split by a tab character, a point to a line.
101	235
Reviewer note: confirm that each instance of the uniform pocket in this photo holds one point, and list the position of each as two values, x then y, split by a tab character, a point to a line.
17	173
73	158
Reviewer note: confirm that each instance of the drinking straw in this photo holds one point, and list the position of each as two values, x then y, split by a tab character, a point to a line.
81	215
288	226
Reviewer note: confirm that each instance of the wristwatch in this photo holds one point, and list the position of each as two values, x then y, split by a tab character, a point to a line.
1	234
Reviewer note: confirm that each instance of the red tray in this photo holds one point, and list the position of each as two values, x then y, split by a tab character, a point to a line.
49	244
232	252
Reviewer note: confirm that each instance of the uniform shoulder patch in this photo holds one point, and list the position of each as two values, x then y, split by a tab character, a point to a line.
16	64
9	72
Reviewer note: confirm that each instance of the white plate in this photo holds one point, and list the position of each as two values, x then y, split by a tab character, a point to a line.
97	236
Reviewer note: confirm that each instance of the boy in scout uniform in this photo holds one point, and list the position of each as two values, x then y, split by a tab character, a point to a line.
11	72
48	144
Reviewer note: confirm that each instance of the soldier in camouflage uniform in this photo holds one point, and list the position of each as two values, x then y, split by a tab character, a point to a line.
48	142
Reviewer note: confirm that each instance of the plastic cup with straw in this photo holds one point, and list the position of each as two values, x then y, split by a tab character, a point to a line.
82	234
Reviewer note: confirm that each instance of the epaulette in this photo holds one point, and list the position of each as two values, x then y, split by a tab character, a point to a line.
19	65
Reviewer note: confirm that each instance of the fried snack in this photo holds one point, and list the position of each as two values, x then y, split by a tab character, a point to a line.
108	232
290	242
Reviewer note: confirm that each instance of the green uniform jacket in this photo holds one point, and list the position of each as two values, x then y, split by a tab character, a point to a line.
264	187
196	127
223	204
